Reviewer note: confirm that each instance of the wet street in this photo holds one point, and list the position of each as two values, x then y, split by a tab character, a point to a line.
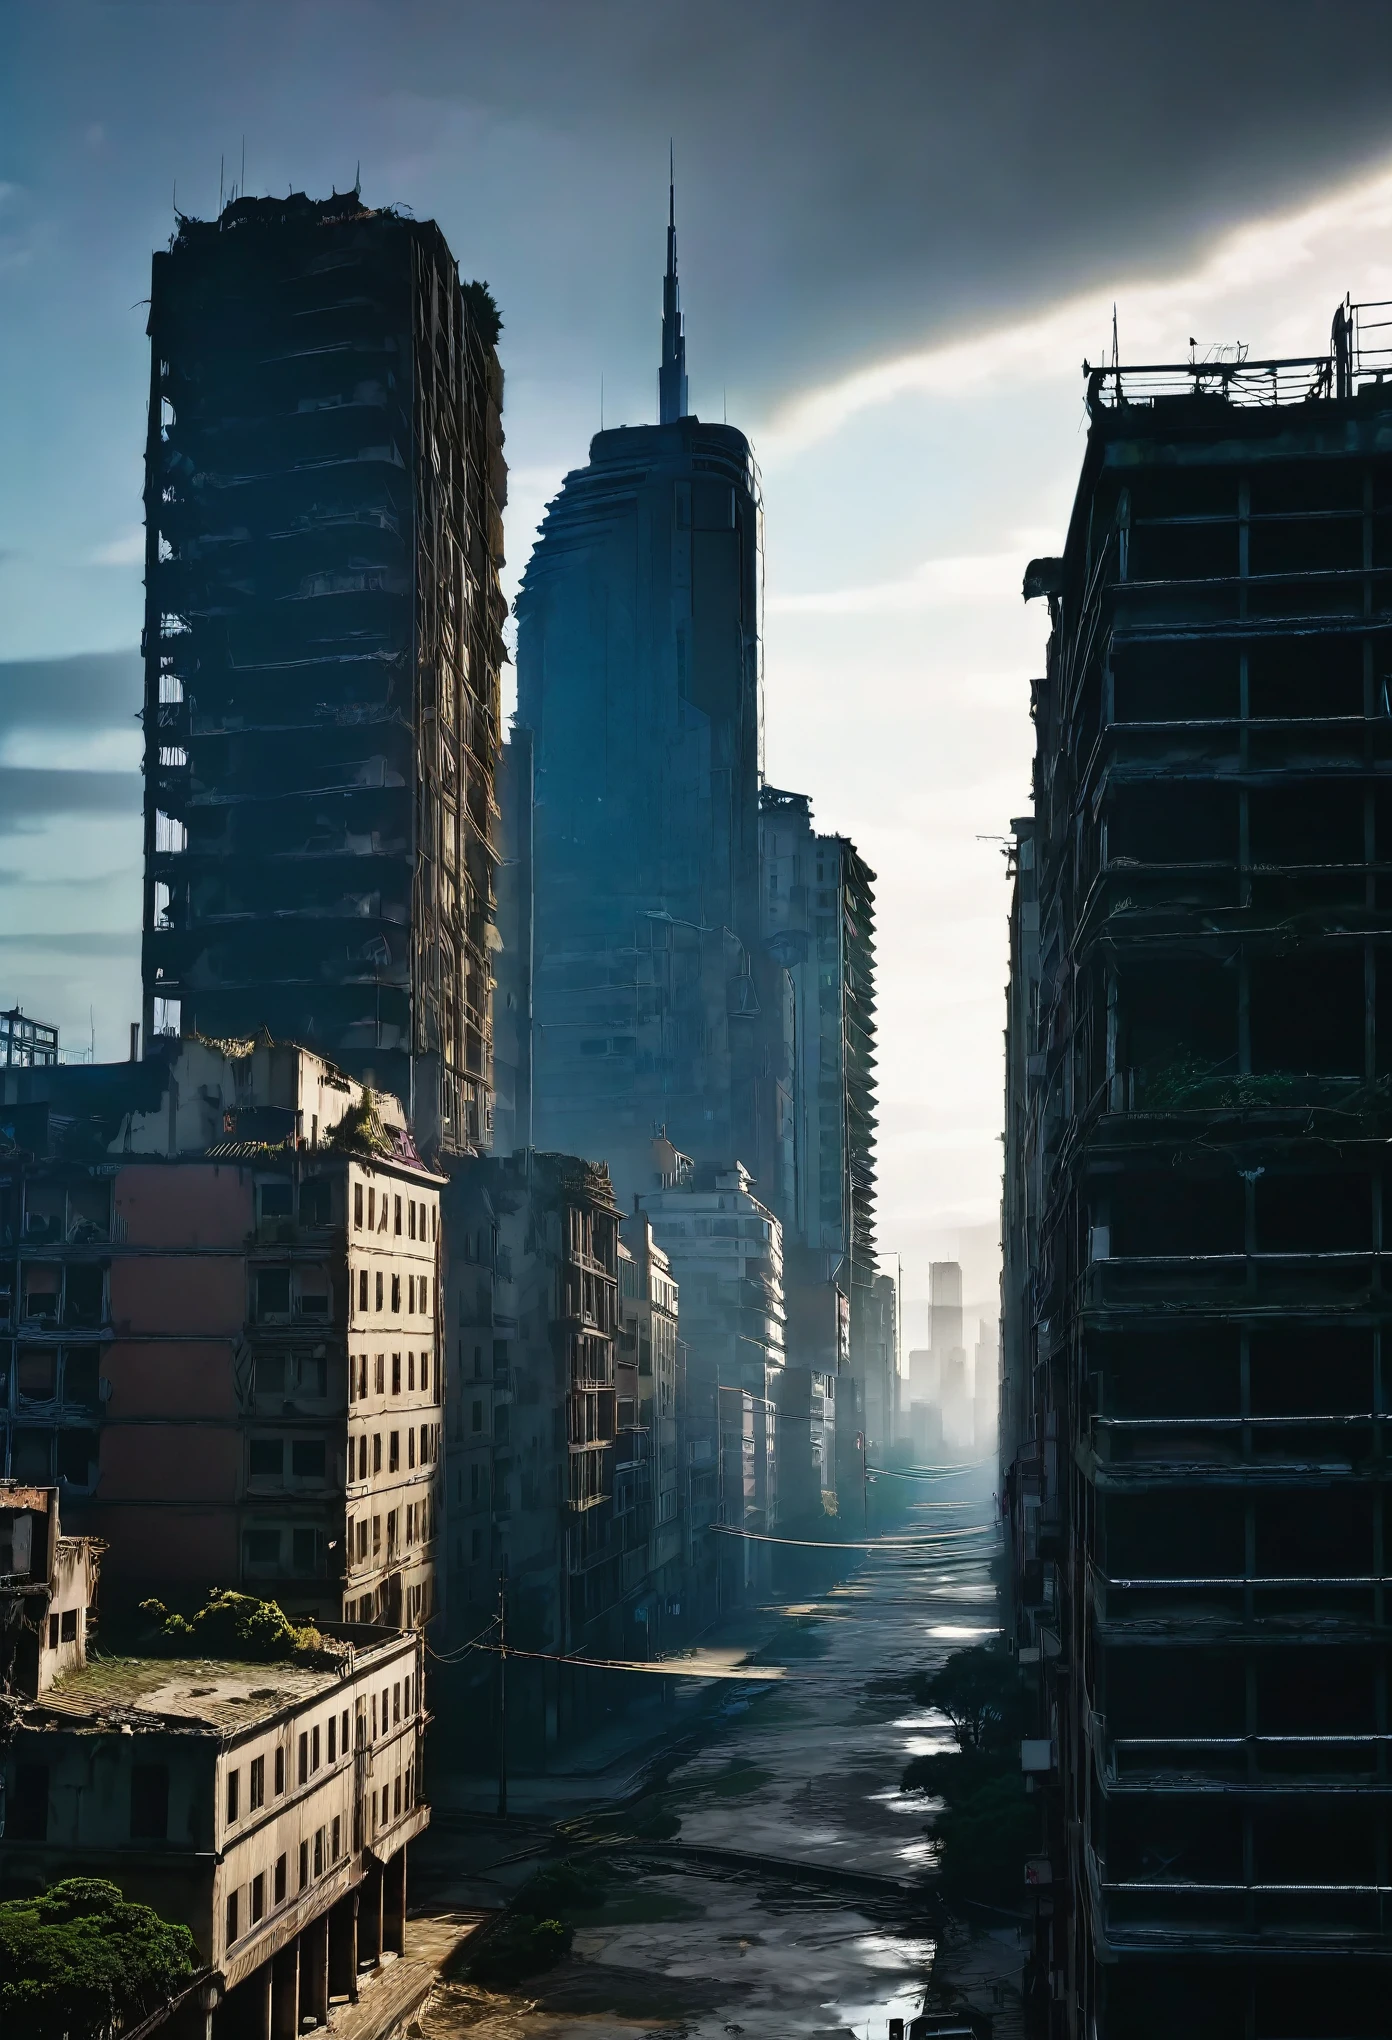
692	1942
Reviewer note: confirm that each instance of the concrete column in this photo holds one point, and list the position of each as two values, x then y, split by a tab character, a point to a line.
285	1992
243	2014
370	1914
343	1949
394	1887
260	1991
314	1971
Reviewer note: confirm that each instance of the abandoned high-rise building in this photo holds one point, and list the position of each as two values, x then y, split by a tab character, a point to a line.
1199	1052
323	498
638	681
818	909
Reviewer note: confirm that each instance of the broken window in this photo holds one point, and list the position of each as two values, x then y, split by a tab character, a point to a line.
1155	1212
1178	681
89	1212
307	1459
42	1286
76	1457
84	1296
273	1293
1317	822
1307	1012
37	1373
1293	677
1313	1213
1173	821
149	1802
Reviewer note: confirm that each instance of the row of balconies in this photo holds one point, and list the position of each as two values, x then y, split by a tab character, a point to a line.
1172	1913
1228	1450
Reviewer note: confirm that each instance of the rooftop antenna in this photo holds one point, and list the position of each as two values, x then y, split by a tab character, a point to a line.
357	178
1116	351
242	186
671	377
222	166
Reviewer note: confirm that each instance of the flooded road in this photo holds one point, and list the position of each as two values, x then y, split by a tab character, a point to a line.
804	1773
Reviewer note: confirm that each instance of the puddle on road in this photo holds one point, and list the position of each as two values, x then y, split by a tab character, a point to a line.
810	1772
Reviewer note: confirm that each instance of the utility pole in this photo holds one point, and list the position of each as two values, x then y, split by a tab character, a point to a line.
502	1691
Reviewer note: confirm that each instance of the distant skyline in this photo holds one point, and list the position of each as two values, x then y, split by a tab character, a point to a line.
895	253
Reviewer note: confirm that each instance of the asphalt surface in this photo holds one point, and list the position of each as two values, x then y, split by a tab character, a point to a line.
796	1898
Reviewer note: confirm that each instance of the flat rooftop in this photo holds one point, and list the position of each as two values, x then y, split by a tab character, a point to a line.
1358	364
202	1696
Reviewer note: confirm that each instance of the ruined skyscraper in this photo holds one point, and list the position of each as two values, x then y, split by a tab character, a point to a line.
1199	1051
323	497
638	680
818	909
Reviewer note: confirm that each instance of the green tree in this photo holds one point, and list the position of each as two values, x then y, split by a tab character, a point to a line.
979	1691
80	1962
986	1835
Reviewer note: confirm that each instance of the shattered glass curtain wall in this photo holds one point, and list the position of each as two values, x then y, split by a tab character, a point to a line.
638	675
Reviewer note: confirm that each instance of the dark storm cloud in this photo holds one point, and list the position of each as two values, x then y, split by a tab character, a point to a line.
94	690
855	175
877	170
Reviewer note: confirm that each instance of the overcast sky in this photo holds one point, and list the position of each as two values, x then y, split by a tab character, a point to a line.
901	227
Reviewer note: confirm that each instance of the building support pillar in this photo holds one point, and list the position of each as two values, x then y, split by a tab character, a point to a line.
370	1916
285	1992
343	1949
314	1971
394	1903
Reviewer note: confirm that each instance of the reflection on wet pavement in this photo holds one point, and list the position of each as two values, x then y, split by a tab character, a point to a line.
807	1772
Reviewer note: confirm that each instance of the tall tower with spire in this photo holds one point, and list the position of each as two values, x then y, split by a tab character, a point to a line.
638	687
671	376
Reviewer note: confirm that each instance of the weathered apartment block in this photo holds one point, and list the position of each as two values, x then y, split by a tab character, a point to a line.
532	1284
323	503
651	1491
1194	1405
819	926
725	1249
266	1806
220	1326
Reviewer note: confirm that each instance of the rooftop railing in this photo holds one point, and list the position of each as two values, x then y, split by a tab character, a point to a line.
1359	357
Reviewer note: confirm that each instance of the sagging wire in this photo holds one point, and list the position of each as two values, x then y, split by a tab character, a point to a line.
461	1650
667	1668
917	1547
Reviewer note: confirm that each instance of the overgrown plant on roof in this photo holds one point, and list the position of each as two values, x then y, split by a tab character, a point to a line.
229	1625
360	1131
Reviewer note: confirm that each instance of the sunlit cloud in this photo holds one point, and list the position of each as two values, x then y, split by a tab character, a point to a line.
1159	313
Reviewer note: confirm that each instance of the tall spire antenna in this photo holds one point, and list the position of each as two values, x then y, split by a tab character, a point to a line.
671	376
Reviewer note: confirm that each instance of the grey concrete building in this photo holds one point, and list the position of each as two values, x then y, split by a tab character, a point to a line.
324	486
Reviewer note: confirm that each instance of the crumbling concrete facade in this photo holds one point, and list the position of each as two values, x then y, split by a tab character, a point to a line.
818	906
1199	1053
323	637
220	1331
532	1285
